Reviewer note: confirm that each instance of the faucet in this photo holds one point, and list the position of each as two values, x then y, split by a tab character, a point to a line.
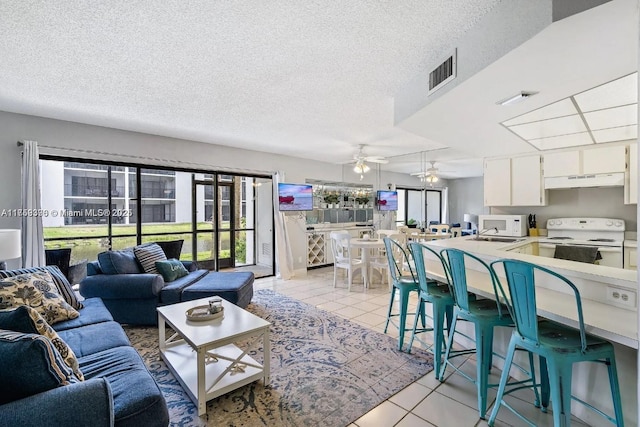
484	231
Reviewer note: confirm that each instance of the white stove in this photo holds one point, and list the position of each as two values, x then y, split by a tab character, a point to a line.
606	234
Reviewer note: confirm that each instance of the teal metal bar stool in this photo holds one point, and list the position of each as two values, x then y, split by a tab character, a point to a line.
404	284
558	346
485	314
441	299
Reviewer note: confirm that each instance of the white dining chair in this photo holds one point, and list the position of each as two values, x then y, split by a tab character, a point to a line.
382	264
343	256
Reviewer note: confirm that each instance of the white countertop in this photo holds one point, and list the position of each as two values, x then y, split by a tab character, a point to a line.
496	250
630	244
601	318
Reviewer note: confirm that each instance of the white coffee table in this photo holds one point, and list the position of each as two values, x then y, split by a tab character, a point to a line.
202	355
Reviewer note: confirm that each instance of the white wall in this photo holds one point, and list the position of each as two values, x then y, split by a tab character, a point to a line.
576	202
70	139
466	195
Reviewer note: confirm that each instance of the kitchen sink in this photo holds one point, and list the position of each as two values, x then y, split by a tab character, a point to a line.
498	239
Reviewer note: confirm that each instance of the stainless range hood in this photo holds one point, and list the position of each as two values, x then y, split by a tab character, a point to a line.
585	181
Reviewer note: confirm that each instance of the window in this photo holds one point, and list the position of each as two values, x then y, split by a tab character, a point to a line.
105	206
424	206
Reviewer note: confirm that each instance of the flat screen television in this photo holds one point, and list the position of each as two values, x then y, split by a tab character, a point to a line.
387	200
295	197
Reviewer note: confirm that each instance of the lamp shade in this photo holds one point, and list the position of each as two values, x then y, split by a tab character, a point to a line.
10	246
470	218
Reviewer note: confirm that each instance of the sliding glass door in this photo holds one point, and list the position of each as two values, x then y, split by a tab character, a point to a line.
224	220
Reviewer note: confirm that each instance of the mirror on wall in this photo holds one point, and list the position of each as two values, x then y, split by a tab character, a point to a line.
340	202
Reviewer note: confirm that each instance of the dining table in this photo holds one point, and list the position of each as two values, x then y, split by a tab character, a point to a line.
366	245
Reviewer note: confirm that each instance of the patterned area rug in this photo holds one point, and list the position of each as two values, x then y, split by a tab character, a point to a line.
325	371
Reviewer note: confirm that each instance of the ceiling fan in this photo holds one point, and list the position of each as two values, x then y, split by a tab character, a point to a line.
429	175
360	161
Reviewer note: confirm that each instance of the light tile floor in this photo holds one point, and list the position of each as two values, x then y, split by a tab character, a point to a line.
426	402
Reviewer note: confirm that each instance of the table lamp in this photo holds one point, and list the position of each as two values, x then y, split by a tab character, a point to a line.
10	246
471	219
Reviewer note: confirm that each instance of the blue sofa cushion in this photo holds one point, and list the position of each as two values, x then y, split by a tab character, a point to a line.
171	293
83	340
235	287
137	400
148	255
93	311
30	365
38	291
93	268
27	320
119	262
171	269
64	287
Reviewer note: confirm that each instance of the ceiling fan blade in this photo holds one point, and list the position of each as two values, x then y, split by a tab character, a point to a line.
380	160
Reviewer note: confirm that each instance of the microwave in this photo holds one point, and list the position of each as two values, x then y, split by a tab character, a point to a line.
507	225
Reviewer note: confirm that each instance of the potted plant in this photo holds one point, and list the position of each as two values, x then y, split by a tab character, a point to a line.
362	201
331	199
412	223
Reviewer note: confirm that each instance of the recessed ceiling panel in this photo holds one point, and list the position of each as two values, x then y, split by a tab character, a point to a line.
551	127
616	134
622	91
558	109
563	141
612	117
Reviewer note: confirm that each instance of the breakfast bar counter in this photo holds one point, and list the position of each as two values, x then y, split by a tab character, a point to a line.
603	316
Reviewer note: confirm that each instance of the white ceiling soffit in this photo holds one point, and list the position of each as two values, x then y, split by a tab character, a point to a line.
567	58
306	79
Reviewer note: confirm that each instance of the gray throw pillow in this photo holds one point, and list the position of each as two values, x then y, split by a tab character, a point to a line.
147	255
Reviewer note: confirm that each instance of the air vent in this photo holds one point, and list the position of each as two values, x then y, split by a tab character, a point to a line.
266	249
443	73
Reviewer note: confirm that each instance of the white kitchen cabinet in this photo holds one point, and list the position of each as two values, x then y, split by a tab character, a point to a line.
588	161
604	160
564	163
527	249
514	182
631	190
526	182
497	182
630	255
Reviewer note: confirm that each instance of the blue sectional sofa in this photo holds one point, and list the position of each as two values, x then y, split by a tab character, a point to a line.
131	295
117	388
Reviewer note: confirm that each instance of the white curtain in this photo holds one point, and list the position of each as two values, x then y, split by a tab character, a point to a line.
32	234
284	257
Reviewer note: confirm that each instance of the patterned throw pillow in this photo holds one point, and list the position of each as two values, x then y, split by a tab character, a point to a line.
64	287
31	364
27	320
38	291
148	255
171	269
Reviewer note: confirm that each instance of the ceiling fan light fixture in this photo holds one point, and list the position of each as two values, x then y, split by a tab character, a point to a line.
361	168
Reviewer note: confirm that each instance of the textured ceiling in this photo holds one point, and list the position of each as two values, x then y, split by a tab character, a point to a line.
311	79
